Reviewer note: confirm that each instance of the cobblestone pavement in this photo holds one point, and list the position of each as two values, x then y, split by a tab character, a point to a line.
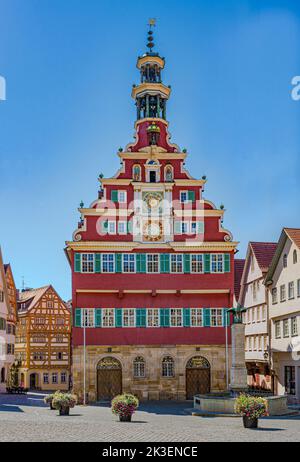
26	418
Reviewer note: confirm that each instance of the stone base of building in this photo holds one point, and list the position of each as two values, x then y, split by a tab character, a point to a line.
112	370
34	379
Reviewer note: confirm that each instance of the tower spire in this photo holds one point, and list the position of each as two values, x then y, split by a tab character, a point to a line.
150	38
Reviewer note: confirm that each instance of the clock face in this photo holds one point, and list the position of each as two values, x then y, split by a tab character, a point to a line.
152	200
152	231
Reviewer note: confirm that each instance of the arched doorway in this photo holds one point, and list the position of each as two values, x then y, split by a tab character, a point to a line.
109	378
197	377
33	380
2	380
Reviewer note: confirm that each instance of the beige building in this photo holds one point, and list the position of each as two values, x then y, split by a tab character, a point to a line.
43	337
253	297
283	283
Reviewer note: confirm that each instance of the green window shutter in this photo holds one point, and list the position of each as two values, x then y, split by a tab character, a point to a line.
118	317
129	227
186	317
118	260
164	263
206	317
227	262
200	227
225	317
77	317
98	313
177	227
141	263
207	263
97	262
104	226
114	195
187	263
191	196
164	317
77	262
141	317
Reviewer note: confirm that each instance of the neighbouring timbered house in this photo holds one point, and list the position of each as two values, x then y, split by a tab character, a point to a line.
152	269
43	340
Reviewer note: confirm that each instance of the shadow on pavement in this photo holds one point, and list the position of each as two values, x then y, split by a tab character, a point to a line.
9	408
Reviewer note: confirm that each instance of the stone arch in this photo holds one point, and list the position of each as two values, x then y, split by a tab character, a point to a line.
198	376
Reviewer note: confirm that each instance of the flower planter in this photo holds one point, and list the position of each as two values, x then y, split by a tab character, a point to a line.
250	422
125	418
51	406
64	411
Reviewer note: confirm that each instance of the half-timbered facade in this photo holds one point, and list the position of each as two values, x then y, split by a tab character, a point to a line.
43	338
152	268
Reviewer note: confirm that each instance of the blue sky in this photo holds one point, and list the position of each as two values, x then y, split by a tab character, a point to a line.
69	67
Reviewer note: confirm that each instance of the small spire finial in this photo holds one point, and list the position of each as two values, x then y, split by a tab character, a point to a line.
151	23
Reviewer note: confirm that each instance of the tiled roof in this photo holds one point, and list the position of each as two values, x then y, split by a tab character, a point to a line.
31	296
238	272
264	252
294	235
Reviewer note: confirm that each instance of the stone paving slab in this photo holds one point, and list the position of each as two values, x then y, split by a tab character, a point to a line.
27	418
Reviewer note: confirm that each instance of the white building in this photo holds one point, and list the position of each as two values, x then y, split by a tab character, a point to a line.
252	296
283	283
6	345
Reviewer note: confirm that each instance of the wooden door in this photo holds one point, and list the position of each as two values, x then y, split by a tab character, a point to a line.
197	382
109	379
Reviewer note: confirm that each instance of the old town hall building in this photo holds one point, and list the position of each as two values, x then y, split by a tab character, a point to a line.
152	269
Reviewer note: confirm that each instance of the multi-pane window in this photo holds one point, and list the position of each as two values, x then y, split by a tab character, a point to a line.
153	317
128	317
274	295
277	329
184	197
63	377
38	356
289	380
176	264
184	227
286	330
216	315
108	263
88	317
60	321
37	339
111	227
108	317
217	263
168	367
282	293
40	321
176	317
10	348
139	367
49	304
128	263
298	288
196	317
263	313
291	290
197	263
294	327
54	377
152	263
122	227
87	263
45	378
122	196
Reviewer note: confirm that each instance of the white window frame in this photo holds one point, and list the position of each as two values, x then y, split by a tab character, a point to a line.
88	262
277	329
274	294
291	290
54	374
120	192
45	378
217	255
103	313
113	224
194	313
130	315
184	191
167	368
139	368
88	317
129	255
184	227
298	288
155	314
294	326
285	328
176	256
202	263
283	293
124	223
177	316
65	376
217	314
158	263
108	263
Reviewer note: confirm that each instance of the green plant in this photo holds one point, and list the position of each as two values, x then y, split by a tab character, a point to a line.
49	398
124	405
251	406
63	400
